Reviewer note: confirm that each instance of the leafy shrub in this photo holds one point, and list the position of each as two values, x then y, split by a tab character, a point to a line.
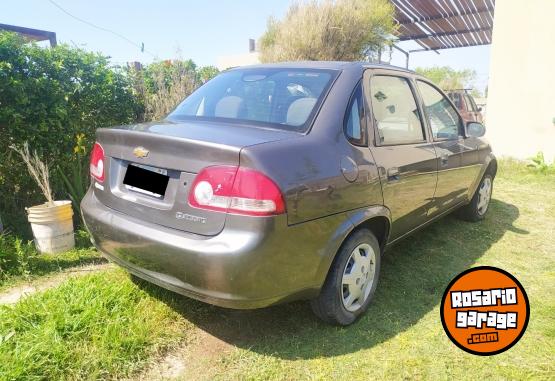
539	164
14	256
56	98
48	97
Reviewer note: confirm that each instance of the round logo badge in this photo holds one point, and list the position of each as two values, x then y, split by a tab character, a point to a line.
485	310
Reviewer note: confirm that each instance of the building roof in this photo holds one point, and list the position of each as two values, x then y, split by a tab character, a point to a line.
31	34
444	24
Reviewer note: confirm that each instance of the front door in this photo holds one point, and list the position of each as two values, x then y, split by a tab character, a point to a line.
457	167
405	158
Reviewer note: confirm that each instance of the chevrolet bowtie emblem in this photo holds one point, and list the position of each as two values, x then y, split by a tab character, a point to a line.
141	152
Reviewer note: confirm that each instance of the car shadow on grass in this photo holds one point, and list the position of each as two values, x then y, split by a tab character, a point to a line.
414	275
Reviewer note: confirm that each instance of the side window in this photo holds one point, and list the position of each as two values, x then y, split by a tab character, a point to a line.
395	111
354	127
471	106
456	98
443	118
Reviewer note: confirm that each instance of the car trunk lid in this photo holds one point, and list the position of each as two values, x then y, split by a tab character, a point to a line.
149	168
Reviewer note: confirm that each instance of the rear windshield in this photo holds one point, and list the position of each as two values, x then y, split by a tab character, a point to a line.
282	98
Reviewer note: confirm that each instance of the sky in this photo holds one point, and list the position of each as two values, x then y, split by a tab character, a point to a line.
200	30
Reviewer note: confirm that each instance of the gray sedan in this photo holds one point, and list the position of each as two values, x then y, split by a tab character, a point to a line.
280	182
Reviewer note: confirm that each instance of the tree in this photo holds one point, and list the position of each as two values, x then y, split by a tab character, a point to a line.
343	30
448	78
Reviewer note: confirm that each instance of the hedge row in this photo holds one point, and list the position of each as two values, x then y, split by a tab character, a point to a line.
55	98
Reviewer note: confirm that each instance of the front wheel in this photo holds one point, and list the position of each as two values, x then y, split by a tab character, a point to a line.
351	281
477	208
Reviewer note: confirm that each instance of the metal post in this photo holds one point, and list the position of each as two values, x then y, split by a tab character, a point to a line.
405	53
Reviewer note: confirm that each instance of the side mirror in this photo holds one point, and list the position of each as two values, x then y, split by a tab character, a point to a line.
479	109
475	129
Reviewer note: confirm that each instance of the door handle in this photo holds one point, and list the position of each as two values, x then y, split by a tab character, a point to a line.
393	174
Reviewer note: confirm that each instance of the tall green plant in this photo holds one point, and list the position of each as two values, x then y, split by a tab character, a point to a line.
47	97
76	180
539	163
342	30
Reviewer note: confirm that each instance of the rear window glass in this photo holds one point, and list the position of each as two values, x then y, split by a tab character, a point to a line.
282	98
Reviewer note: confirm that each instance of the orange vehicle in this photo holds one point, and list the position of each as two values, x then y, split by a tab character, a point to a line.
465	104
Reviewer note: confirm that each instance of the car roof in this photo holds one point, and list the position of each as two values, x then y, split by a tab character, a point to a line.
329	65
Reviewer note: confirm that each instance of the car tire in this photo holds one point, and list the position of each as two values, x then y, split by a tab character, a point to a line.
477	208
356	265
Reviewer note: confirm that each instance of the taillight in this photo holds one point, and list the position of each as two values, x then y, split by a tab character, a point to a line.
236	190
97	162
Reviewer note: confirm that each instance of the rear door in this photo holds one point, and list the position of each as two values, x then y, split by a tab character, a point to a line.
405	157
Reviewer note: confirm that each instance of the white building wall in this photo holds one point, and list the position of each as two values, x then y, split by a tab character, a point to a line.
520	119
225	62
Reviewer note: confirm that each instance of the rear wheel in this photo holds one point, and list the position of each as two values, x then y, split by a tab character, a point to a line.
477	208
351	281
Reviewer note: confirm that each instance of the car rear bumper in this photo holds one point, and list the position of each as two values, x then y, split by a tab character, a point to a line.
252	263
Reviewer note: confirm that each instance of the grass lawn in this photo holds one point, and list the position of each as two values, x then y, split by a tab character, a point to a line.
401	336
38	265
103	325
89	328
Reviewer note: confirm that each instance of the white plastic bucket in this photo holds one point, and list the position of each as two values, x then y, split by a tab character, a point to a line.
52	227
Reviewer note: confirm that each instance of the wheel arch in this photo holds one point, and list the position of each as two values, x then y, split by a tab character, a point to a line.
376	218
492	167
489	166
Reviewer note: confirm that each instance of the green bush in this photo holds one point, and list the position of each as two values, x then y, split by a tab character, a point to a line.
539	164
14	256
48	98
56	98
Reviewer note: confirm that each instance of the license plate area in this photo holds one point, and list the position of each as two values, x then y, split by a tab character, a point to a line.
147	180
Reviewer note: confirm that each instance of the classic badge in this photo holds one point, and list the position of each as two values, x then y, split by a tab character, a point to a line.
141	152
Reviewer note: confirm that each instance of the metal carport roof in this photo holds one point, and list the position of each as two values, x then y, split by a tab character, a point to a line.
444	24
